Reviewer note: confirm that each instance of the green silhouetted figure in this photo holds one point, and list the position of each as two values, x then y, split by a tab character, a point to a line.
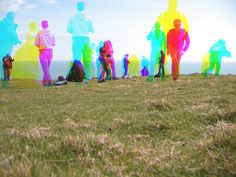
217	51
87	61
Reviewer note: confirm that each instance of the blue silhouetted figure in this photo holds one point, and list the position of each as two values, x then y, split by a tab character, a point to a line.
80	27
125	63
158	42
8	36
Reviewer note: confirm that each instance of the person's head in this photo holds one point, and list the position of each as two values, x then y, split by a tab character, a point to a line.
80	6
33	26
177	23
44	24
126	55
157	26
162	53
173	4
11	16
221	42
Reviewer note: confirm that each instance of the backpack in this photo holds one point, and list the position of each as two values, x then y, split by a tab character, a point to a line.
7	62
76	72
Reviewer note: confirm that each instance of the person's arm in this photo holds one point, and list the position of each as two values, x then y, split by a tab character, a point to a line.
187	41
69	27
168	42
164	43
37	40
90	25
53	40
149	36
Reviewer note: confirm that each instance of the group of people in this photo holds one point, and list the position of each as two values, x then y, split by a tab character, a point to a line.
169	37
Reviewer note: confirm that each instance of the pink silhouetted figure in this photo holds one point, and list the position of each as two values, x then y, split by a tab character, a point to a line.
177	43
45	41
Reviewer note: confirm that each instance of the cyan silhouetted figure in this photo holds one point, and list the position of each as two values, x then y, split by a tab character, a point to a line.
45	41
80	27
217	51
26	65
177	44
158	43
125	63
98	62
8	36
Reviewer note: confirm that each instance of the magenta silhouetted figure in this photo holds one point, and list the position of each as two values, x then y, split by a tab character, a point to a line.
45	41
109	59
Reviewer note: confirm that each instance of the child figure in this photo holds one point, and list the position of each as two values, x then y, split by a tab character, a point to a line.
161	72
7	66
126	62
102	60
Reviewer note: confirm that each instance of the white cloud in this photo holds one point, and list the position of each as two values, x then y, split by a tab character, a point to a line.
15	5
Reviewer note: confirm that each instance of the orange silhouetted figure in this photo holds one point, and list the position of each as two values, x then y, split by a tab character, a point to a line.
177	43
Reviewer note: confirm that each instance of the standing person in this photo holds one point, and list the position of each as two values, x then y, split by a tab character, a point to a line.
80	26
26	64
177	44
7	66
45	41
158	43
126	62
166	18
103	63
161	72
8	36
110	60
217	51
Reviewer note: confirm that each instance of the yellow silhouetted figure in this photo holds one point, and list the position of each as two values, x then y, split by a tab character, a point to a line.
166	19
26	65
205	62
134	65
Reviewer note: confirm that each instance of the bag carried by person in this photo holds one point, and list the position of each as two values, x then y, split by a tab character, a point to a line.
76	72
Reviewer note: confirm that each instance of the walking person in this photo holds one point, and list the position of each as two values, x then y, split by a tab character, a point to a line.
177	44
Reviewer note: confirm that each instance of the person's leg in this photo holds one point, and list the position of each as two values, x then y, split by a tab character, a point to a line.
175	66
152	62
43	57
5	73
125	71
113	68
218	67
211	67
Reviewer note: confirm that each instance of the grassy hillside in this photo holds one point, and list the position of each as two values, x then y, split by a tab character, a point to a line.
120	128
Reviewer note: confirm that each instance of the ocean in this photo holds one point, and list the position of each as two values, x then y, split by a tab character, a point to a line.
60	68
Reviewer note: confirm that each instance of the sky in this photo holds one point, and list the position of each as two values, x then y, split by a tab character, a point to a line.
127	23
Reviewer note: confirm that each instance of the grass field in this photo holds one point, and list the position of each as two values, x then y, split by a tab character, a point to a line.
120	128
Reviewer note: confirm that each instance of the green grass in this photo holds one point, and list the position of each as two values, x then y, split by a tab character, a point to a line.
120	128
